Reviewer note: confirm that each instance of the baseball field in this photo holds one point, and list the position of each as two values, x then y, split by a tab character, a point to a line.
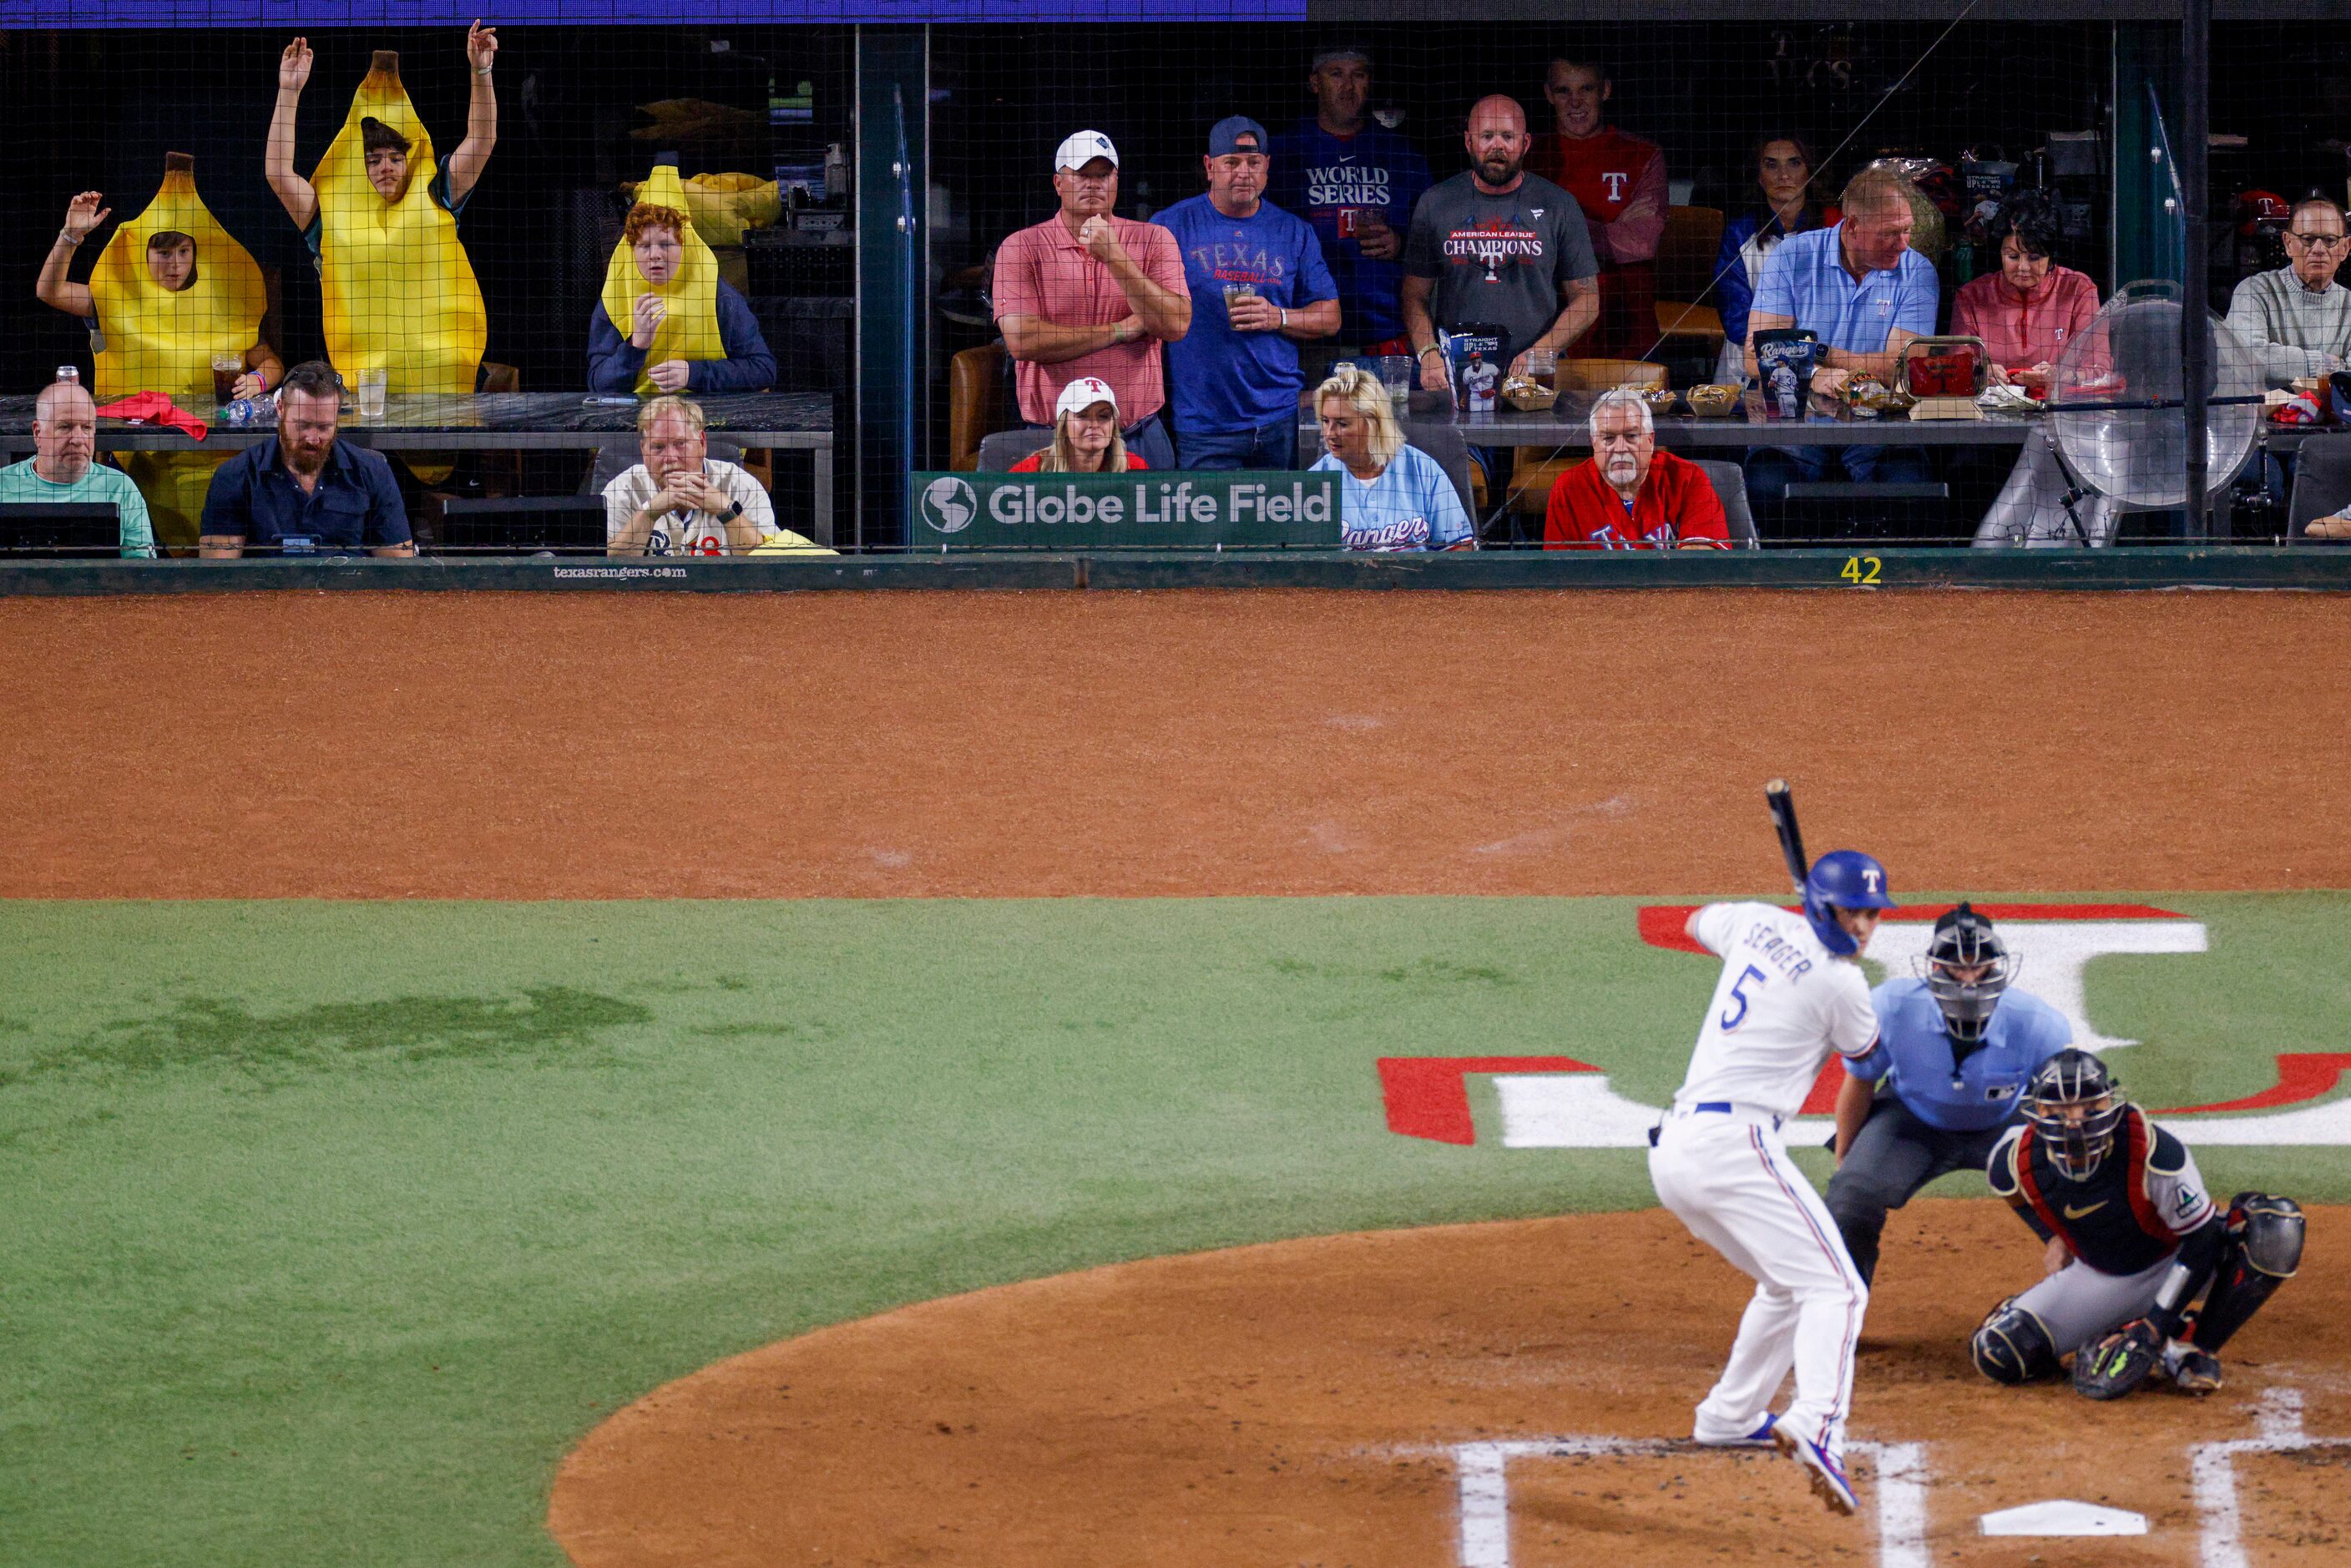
1088	1079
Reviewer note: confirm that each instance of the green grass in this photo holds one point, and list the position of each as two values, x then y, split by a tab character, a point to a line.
330	1228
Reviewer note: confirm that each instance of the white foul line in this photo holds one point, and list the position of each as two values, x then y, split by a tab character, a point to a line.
2211	1467
1486	1492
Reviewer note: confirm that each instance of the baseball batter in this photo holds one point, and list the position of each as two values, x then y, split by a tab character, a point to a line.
2133	1240
1792	991
1956	1048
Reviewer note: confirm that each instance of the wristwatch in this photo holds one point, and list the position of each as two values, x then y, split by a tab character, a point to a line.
733	512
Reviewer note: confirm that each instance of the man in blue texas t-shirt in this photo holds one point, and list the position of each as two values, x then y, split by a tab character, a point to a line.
1357	183
1259	289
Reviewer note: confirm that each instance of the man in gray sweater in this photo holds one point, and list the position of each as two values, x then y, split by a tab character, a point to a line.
2297	319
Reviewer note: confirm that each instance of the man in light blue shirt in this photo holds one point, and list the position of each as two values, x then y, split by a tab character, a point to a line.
1862	291
1955	1050
1259	288
63	469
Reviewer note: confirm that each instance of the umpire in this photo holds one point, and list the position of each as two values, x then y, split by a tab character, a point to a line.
1955	1049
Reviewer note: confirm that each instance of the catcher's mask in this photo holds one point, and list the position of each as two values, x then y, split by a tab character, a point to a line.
2074	1106
1966	968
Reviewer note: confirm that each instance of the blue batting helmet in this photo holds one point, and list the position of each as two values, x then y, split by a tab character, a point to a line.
1843	879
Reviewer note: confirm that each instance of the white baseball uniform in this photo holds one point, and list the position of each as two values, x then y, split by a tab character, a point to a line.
1783	1004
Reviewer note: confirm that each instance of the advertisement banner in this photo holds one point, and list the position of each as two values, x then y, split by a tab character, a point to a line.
1172	510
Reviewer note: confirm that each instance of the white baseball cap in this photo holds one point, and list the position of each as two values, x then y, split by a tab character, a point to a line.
1082	148
1083	393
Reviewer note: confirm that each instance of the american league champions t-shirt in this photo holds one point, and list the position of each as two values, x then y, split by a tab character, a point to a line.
1498	259
1330	181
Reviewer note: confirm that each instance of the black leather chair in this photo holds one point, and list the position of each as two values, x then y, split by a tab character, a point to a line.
2322	483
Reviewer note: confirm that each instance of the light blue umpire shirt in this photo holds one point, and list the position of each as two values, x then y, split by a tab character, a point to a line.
1980	1093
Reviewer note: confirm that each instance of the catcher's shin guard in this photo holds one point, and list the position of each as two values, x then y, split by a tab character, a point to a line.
2013	1346
2264	1251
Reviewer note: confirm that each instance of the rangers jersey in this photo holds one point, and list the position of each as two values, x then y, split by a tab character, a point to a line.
1783	1004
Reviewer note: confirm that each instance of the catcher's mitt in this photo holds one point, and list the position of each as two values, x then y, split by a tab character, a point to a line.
2118	1363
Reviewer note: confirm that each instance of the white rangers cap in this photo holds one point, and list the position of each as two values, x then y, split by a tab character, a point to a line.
1082	148
1083	393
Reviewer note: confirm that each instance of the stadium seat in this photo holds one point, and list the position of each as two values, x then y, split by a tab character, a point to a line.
975	402
1685	274
1730	482
2321	482
1000	449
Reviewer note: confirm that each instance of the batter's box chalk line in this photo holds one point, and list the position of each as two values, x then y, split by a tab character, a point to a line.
2212	1468
1900	1486
1484	1471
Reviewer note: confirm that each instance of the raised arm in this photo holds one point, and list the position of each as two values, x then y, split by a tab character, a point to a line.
472	155
83	214
294	193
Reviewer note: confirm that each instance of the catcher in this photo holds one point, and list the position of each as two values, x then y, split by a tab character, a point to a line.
2133	1241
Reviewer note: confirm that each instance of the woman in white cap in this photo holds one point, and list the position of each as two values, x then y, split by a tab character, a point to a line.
1393	497
1085	434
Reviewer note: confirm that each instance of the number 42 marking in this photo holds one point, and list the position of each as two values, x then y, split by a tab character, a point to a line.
1861	570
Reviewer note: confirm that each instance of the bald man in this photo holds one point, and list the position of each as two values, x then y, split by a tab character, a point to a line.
1498	249
64	468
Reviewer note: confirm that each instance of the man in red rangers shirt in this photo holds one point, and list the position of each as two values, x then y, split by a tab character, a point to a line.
1619	181
1631	496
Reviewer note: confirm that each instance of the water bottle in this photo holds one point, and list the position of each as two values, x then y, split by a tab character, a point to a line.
250	411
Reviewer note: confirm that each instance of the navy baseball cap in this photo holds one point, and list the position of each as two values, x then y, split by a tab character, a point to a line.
1226	135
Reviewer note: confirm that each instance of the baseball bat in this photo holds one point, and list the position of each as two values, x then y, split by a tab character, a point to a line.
1783	803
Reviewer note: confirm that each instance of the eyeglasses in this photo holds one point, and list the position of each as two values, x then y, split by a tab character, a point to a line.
2317	242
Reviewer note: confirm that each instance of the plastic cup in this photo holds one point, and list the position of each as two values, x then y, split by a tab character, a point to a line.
1395	374
1543	369
371	394
226	371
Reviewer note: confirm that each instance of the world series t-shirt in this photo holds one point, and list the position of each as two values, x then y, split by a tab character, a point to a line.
1498	259
1219	380
1319	176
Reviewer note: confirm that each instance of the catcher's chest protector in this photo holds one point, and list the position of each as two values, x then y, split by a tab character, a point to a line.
2110	1220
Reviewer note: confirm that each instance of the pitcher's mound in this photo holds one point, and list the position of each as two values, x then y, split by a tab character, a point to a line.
1301	1403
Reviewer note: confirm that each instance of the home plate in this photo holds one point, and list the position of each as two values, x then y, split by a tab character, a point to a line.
2062	1516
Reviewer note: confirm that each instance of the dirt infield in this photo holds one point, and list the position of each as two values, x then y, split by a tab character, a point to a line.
1298	1404
877	745
1295	1403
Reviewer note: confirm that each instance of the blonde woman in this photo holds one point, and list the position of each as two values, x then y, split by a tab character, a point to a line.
1085	434
1393	497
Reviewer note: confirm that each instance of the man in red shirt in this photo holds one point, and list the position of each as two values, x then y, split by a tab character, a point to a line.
1631	496
1087	294
1619	181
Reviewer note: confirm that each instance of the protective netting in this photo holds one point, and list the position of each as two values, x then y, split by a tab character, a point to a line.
430	230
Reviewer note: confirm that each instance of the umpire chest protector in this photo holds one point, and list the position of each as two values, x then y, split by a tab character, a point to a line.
2110	1220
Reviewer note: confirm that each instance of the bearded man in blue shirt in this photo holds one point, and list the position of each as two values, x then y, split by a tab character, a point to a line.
1956	1049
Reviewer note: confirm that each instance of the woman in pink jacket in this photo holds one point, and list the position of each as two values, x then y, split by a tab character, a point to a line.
2031	308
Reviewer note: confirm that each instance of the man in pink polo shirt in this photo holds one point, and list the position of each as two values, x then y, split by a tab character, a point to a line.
1087	294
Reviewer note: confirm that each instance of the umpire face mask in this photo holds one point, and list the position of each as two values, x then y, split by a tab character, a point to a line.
1967	968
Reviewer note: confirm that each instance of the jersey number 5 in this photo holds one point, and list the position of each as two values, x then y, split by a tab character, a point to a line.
1733	1017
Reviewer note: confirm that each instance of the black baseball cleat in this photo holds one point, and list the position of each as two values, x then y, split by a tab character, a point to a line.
2199	1371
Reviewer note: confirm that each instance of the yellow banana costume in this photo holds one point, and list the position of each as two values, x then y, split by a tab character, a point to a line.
690	329
159	340
397	290
722	206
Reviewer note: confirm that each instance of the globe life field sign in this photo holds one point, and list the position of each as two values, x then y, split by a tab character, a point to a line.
1232	510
